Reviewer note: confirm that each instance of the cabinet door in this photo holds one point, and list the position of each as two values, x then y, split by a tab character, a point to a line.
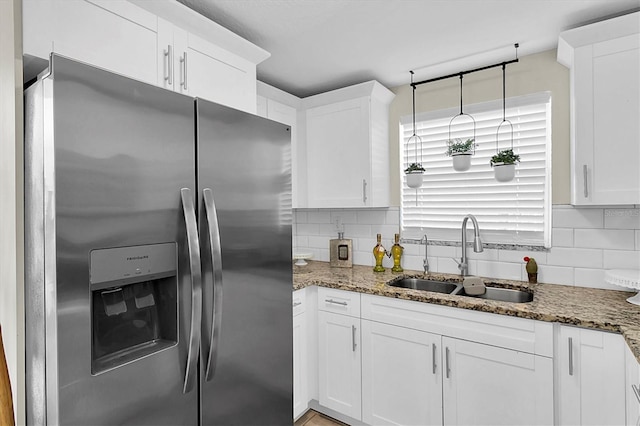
339	363
489	385
300	400
210	72
590	377
115	35
632	389
607	107
401	376
338	154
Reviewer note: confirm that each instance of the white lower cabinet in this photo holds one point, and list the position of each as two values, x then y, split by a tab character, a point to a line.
488	385
401	376
632	389
300	356
339	369
590	377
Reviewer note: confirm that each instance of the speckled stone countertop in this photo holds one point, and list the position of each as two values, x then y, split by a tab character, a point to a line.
585	307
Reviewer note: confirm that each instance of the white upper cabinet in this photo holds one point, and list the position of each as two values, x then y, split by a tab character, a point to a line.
604	59
159	42
114	35
346	151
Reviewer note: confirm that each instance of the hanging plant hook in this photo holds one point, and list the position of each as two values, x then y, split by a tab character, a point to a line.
504	115
449	142
414	170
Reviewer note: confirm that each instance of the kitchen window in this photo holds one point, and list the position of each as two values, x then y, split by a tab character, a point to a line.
516	212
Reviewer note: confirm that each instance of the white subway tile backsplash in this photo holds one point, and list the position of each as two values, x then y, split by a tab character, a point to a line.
392	216
586	242
446	265
318	242
318	216
621	259
575	257
486	254
345	216
571	217
373	217
622	218
562	237
300	216
500	270
307	229
593	278
517	256
617	239
555	275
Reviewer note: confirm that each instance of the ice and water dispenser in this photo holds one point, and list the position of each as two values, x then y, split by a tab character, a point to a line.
134	303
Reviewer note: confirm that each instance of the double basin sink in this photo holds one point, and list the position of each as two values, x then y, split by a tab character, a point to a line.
492	293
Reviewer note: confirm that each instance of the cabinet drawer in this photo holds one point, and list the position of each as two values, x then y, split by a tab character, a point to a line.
520	334
339	301
299	301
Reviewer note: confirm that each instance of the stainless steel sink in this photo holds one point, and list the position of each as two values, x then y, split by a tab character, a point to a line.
427	285
503	295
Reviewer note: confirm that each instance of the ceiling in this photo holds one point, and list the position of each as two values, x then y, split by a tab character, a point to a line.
320	45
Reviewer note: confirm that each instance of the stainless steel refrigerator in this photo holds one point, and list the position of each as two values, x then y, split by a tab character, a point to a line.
158	256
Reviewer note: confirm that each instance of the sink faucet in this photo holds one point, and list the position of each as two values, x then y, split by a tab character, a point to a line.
463	265
425	262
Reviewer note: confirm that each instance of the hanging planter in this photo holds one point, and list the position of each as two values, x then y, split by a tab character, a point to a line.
459	151
504	165
414	173
504	162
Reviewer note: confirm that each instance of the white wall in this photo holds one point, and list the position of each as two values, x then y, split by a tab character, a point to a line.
586	242
11	196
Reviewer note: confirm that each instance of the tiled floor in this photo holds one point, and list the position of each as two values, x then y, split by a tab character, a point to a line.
313	418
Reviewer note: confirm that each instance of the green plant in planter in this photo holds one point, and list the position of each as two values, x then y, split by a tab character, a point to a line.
414	167
505	157
456	146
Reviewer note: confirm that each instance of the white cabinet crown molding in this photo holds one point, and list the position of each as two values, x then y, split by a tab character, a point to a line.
595	33
369	88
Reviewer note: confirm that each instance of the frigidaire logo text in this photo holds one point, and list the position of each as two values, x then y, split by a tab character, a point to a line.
137	257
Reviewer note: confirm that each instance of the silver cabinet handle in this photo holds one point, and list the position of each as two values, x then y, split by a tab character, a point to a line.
353	337
216	266
636	390
364	191
168	55
335	302
446	360
196	289
433	358
570	356
586	185
183	63
296	304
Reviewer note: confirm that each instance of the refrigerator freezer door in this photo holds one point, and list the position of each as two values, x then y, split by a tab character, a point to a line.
116	154
244	161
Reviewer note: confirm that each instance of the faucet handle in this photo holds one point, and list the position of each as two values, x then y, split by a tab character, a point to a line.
460	264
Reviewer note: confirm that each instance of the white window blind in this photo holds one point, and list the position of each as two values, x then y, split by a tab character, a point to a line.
516	212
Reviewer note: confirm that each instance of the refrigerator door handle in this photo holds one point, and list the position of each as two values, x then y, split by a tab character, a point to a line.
216	264
196	289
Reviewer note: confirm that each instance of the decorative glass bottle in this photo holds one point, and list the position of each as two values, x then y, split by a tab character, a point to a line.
379	253
396	253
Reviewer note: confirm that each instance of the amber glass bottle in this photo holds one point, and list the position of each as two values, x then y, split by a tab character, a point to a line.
396	252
